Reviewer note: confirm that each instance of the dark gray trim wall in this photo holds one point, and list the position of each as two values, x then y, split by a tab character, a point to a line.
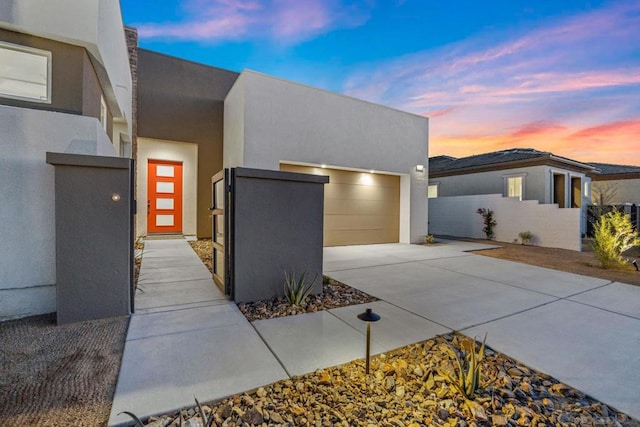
94	248
74	86
180	100
277	227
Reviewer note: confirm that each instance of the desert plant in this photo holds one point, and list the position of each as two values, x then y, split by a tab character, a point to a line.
429	239
467	370
526	237
206	421
296	291
613	235
488	221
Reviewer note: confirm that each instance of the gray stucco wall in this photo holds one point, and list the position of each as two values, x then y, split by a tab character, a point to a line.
494	183
183	101
278	220
93	236
27	247
619	191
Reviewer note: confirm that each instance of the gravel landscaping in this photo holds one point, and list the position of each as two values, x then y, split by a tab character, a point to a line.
407	388
59	375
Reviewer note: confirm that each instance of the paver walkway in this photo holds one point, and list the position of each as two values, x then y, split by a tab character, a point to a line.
187	340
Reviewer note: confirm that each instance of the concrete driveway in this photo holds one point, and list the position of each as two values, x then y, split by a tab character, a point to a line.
583	331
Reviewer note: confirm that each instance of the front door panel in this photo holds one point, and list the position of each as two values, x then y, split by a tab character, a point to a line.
164	204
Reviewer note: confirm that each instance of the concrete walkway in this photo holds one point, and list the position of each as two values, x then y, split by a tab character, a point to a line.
186	340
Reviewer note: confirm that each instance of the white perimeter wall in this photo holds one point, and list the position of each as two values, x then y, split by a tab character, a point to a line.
184	152
27	246
551	226
268	120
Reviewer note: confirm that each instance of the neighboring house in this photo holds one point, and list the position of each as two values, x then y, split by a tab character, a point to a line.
65	86
524	173
615	184
77	84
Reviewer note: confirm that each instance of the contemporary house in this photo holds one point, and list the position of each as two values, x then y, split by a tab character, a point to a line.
80	84
615	184
195	120
520	175
65	86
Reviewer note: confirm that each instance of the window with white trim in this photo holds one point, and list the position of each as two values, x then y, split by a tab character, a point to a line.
515	186
103	112
25	73
432	191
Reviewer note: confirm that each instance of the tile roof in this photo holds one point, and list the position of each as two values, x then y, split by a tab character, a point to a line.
610	169
447	163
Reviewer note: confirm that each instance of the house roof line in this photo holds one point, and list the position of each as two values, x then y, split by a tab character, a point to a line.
318	89
505	159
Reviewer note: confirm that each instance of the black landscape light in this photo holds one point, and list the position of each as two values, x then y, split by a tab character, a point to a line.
635	264
368	316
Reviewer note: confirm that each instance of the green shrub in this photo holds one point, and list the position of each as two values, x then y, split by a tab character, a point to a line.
429	239
488	221
613	234
296	290
526	237
467	369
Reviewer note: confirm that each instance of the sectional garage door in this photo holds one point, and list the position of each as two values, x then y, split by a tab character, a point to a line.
359	208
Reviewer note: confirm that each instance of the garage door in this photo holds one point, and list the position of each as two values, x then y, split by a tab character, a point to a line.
359	208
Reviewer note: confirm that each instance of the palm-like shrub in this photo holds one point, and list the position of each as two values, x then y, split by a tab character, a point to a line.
613	235
297	290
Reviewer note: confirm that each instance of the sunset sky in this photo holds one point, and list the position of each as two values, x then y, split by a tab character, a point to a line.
560	76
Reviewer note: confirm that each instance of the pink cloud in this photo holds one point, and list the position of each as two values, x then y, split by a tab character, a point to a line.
284	21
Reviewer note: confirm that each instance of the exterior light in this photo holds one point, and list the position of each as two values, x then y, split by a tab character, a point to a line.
419	168
115	197
323	166
368	316
371	171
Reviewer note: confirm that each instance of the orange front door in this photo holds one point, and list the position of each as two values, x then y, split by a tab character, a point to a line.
164	189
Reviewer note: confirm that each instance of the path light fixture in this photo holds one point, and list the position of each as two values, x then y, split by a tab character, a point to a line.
368	316
635	264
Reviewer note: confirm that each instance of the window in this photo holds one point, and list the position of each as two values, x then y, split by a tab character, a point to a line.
103	112
514	186
25	73
432	191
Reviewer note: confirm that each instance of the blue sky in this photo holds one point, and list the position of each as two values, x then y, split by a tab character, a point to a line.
560	76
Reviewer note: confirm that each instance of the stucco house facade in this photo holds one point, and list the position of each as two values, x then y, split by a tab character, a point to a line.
91	90
615	184
520	173
65	86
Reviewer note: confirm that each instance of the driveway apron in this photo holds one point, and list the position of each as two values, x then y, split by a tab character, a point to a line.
584	331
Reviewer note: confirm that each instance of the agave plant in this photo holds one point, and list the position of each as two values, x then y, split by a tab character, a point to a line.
467	369
296	291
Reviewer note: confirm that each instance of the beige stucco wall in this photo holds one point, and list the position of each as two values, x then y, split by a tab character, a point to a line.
621	191
184	152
